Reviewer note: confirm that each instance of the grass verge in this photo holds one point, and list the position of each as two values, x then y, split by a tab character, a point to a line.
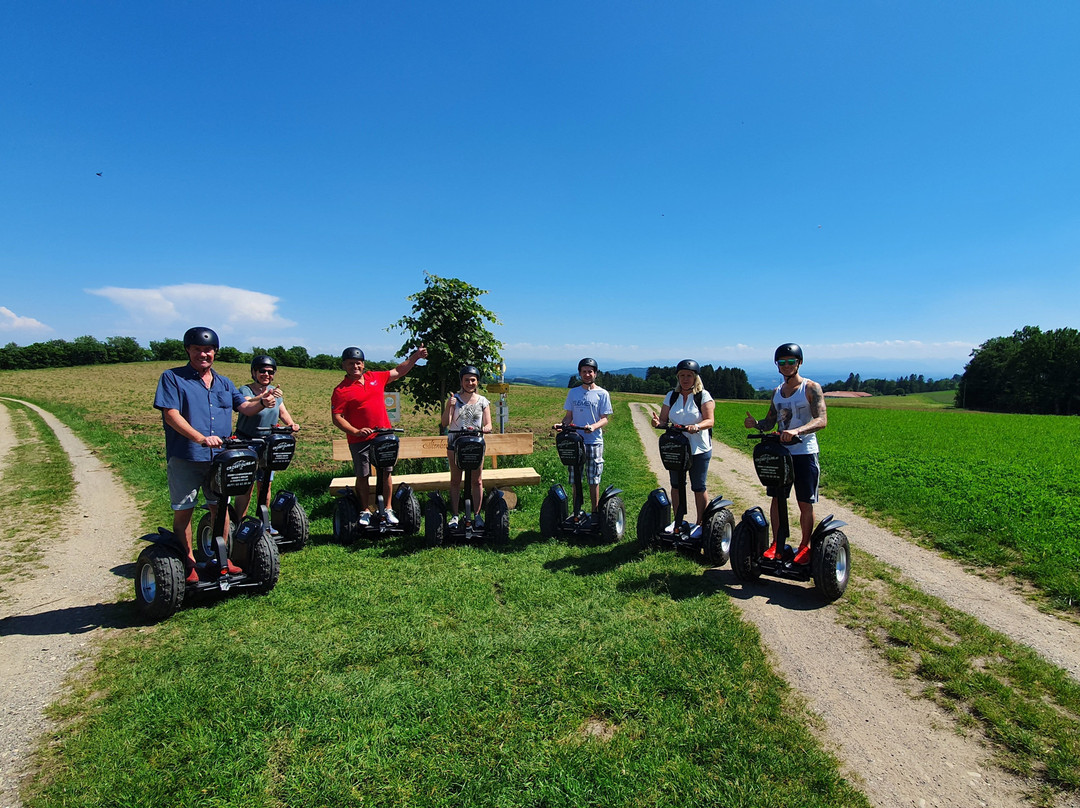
38	485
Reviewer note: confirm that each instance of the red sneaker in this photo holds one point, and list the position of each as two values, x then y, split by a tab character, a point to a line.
231	568
803	556
770	553
192	576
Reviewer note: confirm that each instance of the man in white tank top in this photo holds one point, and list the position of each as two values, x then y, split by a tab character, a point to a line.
798	410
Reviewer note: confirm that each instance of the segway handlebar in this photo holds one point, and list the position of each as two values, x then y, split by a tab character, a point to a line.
771	436
674	427
466	430
561	427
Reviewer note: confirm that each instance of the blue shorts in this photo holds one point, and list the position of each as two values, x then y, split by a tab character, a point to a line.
186	477
807	475
594	463
699	470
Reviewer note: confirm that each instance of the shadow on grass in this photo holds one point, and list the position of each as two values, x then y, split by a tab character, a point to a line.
596	563
792	595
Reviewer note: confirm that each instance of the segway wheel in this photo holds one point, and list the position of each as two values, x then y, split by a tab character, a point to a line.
265	564
744	554
410	518
296	530
831	565
497	522
718	531
434	524
159	583
204	536
613	520
648	524
346	513
549	517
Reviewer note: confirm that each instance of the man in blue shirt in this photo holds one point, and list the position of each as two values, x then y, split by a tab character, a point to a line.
196	410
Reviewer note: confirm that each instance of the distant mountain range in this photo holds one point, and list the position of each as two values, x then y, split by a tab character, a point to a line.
764	376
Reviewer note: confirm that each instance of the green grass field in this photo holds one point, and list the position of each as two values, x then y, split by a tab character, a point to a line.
549	673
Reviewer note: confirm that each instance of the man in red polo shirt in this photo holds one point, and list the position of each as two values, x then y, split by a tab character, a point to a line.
358	408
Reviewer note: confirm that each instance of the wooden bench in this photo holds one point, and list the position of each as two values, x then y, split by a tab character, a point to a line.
411	448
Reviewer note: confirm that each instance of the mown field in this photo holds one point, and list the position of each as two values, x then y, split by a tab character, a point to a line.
548	673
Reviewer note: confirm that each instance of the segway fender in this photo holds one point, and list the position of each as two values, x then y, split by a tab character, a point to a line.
281	506
609	492
825	527
167	539
559	494
716	504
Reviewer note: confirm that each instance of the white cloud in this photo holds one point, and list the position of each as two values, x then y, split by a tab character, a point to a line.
10	321
225	308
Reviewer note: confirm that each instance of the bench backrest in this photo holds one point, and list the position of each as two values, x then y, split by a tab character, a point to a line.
410	448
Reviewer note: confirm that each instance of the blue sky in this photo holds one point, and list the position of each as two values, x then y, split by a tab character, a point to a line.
888	183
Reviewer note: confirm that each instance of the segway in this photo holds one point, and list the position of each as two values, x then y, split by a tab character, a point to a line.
830	554
287	522
559	518
469	449
347	525
714	542
160	587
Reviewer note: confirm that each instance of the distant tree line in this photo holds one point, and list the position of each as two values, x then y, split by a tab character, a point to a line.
892	387
720	382
59	353
1032	371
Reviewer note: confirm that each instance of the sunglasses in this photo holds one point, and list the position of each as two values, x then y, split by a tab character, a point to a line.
266	370
782	362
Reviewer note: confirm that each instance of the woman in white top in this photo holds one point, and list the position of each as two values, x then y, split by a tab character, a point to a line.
465	408
690	405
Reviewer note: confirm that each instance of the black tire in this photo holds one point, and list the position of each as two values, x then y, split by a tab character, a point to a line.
831	565
410	519
159	583
744	554
549	517
265	564
203	539
613	520
718	531
296	529
434	524
497	522
648	524
346	513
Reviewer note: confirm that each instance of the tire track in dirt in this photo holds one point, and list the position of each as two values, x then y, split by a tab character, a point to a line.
53	618
901	749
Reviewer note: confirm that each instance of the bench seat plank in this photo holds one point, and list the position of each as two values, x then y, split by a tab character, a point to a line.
412	447
440	480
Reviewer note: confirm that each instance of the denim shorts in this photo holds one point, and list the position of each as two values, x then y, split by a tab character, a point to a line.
807	475
186	477
699	470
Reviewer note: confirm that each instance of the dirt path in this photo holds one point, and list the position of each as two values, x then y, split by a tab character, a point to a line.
905	751
53	619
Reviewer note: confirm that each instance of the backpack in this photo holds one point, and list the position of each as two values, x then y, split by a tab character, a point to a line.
673	397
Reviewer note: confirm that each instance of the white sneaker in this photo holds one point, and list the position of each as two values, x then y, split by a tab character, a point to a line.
478	522
365	518
391	517
671	528
695	532
452	524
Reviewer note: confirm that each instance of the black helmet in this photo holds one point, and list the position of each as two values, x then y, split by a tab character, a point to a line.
352	353
469	370
788	349
688	364
201	335
588	362
262	361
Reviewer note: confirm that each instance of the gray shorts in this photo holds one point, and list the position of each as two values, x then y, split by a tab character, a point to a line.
594	463
361	459
186	477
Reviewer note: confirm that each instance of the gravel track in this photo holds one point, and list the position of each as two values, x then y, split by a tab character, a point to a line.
903	750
